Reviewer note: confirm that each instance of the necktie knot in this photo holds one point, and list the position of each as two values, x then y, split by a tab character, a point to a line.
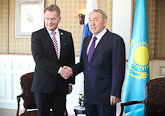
94	39
53	33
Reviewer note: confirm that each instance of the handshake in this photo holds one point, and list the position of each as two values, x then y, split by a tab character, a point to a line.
66	72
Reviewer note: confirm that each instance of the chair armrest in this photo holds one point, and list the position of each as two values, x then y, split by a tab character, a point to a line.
18	103
127	104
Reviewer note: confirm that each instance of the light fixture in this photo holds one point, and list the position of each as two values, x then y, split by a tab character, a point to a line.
82	17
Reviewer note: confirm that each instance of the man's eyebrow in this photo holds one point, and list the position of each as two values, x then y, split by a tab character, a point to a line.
94	18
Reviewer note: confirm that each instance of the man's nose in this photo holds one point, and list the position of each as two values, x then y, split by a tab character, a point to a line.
92	22
50	21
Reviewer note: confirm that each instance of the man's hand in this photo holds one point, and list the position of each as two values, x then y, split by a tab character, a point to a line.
114	100
66	72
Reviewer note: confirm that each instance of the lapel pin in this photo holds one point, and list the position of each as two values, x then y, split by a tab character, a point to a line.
61	33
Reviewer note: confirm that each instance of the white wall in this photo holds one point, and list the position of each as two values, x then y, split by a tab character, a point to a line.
122	21
11	69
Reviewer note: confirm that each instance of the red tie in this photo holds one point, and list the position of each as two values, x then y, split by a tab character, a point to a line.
55	43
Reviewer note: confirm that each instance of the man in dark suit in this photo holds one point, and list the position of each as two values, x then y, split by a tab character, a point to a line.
104	69
52	48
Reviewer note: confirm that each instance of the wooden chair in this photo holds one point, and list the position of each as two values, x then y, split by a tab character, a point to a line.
28	96
155	98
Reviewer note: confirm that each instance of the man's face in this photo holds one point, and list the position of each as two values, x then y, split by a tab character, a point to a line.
96	22
51	20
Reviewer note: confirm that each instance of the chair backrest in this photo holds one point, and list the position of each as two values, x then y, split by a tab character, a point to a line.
155	96
27	95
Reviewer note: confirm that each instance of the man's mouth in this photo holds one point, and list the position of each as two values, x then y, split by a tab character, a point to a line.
93	28
50	25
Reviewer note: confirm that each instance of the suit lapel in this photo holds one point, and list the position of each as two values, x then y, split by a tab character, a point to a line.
47	39
86	43
62	43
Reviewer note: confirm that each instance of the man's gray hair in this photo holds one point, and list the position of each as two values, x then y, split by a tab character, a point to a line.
102	12
53	7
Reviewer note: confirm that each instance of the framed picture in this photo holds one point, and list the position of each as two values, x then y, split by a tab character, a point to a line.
162	71
29	17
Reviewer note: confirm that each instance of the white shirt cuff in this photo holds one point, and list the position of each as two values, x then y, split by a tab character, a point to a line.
59	70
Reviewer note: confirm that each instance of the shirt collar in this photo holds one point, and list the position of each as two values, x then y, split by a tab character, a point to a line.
100	35
56	31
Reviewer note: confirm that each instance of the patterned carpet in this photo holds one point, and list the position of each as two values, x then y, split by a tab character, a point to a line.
11	112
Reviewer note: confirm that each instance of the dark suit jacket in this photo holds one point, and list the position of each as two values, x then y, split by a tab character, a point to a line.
104	75
46	76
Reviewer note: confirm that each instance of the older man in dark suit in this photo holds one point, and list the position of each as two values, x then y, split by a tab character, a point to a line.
52	48
103	63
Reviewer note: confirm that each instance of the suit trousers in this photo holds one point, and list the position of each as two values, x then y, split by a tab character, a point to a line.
100	110
54	100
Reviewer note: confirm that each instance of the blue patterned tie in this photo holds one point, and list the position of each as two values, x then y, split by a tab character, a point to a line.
91	49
